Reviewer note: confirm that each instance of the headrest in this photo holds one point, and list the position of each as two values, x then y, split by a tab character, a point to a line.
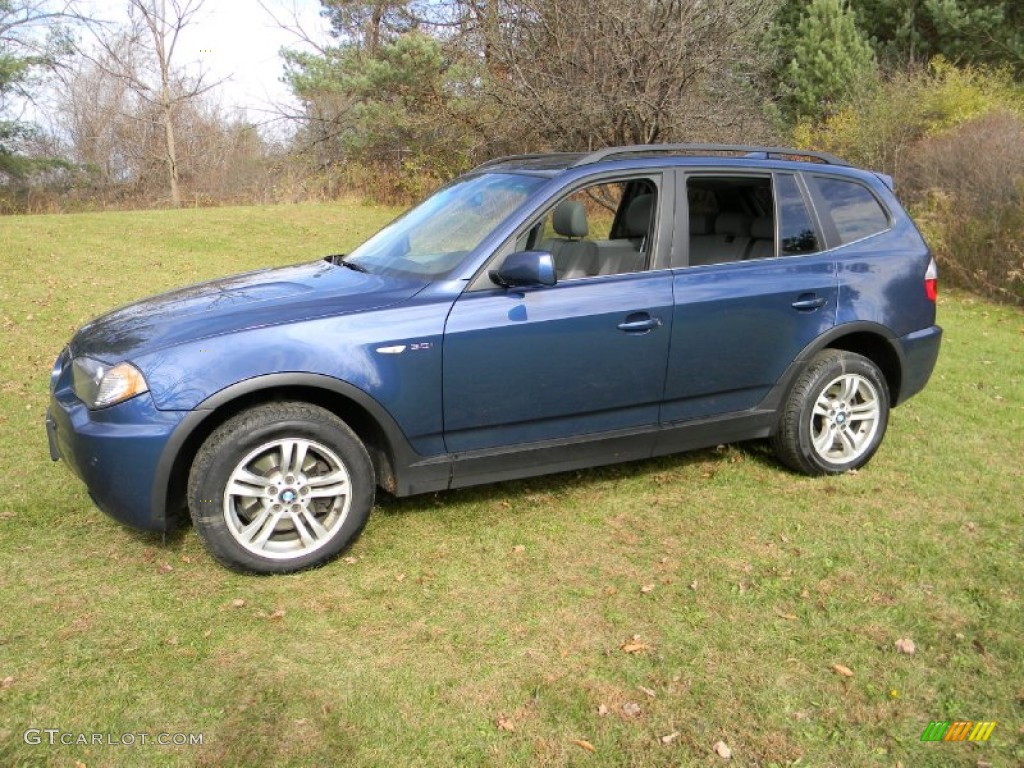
700	223
731	223
638	215
569	219
763	228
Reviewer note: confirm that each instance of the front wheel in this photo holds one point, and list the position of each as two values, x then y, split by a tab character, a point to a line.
280	488
835	416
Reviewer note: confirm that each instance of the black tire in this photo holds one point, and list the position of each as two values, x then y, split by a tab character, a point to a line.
301	488
835	416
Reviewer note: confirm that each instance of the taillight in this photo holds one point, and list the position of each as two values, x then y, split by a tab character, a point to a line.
931	281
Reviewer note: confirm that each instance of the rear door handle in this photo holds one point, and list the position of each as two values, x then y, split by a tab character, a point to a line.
807	302
639	322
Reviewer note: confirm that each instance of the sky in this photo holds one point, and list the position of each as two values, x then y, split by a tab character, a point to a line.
239	41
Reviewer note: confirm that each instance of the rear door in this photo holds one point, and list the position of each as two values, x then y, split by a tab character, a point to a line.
752	288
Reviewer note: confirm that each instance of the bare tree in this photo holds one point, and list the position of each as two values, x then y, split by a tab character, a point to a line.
142	56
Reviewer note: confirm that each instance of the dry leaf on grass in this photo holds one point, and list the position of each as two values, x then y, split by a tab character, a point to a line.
602	710
839	669
400	577
668	739
647	588
584	744
519	548
647	690
784	615
166	568
7	682
504	724
238	603
634	645
905	645
351	560
722	750
693	585
277	615
631	709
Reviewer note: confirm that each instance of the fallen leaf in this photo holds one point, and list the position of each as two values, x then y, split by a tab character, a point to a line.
800	715
693	585
646	690
784	615
905	645
647	588
979	647
670	737
351	560
80	764
631	709
583	744
610	590
278	614
722	750
238	603
634	647
400	577
839	669
519	548
173	640
602	710
166	568
504	724
7	682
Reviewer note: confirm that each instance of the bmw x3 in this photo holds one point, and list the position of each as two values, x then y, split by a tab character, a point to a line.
539	314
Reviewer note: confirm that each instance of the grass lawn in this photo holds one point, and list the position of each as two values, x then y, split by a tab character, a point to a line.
628	616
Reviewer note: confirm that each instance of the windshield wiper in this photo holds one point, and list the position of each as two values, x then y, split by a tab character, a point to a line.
339	259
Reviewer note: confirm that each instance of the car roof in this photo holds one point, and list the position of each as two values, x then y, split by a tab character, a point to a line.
680	154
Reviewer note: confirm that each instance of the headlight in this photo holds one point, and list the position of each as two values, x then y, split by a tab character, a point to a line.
98	386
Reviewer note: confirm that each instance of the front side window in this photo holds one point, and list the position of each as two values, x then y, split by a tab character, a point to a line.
436	235
601	229
853	209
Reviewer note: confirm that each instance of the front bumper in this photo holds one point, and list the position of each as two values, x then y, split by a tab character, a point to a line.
115	451
919	351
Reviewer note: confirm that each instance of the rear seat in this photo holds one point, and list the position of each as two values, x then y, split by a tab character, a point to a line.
762	246
729	242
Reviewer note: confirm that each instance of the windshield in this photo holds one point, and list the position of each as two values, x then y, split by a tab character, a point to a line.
436	235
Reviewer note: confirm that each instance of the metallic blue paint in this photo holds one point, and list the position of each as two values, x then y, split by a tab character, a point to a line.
471	385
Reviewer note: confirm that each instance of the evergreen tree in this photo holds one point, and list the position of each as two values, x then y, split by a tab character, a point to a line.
824	59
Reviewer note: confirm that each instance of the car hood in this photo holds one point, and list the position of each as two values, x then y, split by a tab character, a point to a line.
250	300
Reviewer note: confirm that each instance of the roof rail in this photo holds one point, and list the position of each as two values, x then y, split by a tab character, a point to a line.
511	158
764	152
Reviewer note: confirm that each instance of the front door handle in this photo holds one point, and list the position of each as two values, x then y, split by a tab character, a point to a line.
807	302
639	322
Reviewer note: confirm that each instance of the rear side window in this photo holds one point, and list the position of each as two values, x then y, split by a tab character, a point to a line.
854	210
796	232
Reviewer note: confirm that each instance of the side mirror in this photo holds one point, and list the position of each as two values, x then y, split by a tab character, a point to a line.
524	269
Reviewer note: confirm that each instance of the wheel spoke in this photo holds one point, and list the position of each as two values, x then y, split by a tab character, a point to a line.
822	405
848	439
847	387
868	408
261	528
245	483
310	529
326	486
823	440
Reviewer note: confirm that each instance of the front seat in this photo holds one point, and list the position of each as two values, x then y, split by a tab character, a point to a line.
573	256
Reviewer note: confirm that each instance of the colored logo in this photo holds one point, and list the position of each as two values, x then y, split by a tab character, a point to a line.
958	730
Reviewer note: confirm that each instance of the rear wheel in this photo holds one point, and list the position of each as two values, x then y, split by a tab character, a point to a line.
835	416
280	488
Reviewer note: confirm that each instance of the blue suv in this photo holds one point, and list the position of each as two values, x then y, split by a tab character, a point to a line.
539	314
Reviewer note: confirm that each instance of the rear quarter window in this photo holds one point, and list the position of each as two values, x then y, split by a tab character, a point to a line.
854	210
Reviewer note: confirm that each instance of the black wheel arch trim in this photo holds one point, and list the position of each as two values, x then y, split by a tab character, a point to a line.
773	400
403	456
